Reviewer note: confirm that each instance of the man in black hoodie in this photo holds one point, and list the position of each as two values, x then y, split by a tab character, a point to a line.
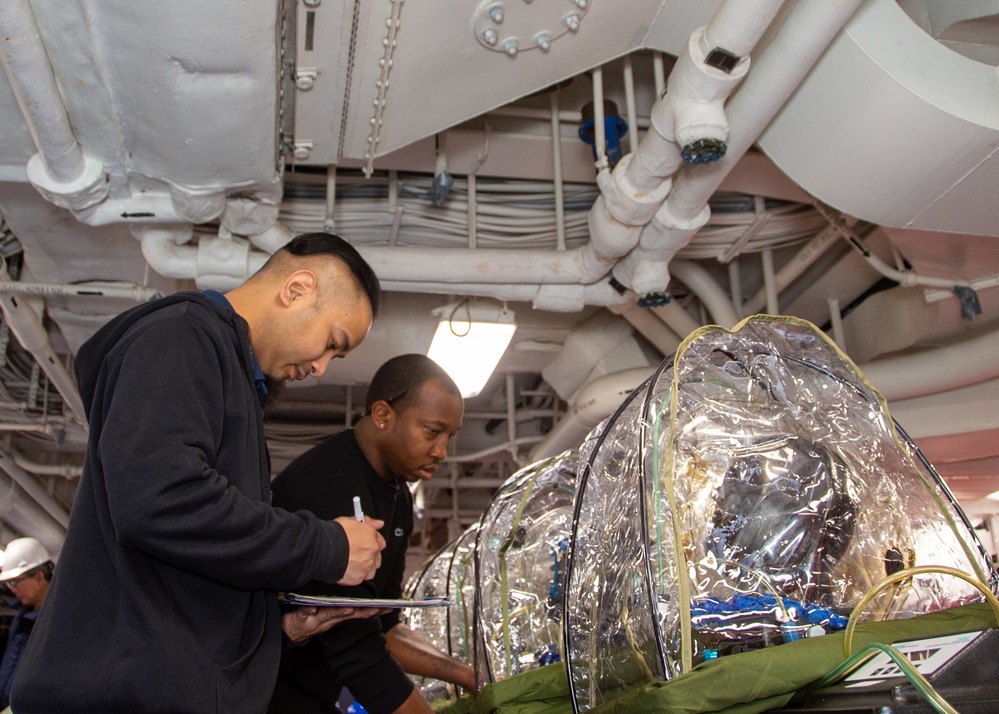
165	598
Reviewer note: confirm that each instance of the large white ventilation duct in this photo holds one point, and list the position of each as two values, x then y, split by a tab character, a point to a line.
937	370
896	108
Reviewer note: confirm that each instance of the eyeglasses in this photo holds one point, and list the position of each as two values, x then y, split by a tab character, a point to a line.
13	583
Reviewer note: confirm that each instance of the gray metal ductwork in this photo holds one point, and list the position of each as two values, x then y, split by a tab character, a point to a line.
26	518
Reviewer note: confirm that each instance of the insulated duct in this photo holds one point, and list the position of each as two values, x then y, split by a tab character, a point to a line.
937	370
688	124
777	71
60	170
592	403
923	105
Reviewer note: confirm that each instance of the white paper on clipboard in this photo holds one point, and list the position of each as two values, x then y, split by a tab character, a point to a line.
337	601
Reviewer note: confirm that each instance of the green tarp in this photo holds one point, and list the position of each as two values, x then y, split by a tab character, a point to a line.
737	684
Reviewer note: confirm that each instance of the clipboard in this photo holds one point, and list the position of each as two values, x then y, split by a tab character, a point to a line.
337	601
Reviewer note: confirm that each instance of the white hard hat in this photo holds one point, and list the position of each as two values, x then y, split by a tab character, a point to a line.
22	555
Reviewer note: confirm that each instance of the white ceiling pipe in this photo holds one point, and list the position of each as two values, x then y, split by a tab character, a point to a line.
167	249
593	402
936	370
599	127
557	176
272	238
26	326
717	302
693	109
616	218
44	427
258	221
958	411
32	488
138	293
793	269
484	265
694	105
169	253
797	45
699	112
738	25
553	298
498	272
148	207
646	269
678	319
650	327
769	281
902	277
631	110
977	285
28	519
215	262
511	447
225	262
68	471
60	170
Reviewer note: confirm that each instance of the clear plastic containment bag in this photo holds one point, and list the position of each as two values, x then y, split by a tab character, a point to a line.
750	493
512	575
450	573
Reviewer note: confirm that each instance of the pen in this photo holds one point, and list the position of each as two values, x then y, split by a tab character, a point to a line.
358	513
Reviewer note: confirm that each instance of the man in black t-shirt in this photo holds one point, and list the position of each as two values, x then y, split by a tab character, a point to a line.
413	408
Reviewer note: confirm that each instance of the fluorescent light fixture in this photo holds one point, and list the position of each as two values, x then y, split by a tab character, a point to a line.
469	342
994	496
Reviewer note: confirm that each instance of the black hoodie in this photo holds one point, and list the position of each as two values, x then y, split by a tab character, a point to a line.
164	598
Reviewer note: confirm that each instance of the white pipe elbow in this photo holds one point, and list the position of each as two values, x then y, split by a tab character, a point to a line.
272	239
84	190
715	299
167	250
694	108
224	263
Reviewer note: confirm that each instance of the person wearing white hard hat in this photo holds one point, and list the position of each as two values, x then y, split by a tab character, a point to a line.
27	571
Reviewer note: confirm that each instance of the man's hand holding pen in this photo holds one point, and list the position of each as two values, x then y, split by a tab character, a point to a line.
366	545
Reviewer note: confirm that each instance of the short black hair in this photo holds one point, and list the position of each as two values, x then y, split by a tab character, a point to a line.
330	244
403	375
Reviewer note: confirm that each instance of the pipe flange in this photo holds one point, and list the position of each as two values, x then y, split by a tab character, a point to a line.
88	189
514	28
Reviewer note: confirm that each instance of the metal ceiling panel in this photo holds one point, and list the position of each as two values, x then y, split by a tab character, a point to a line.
440	73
